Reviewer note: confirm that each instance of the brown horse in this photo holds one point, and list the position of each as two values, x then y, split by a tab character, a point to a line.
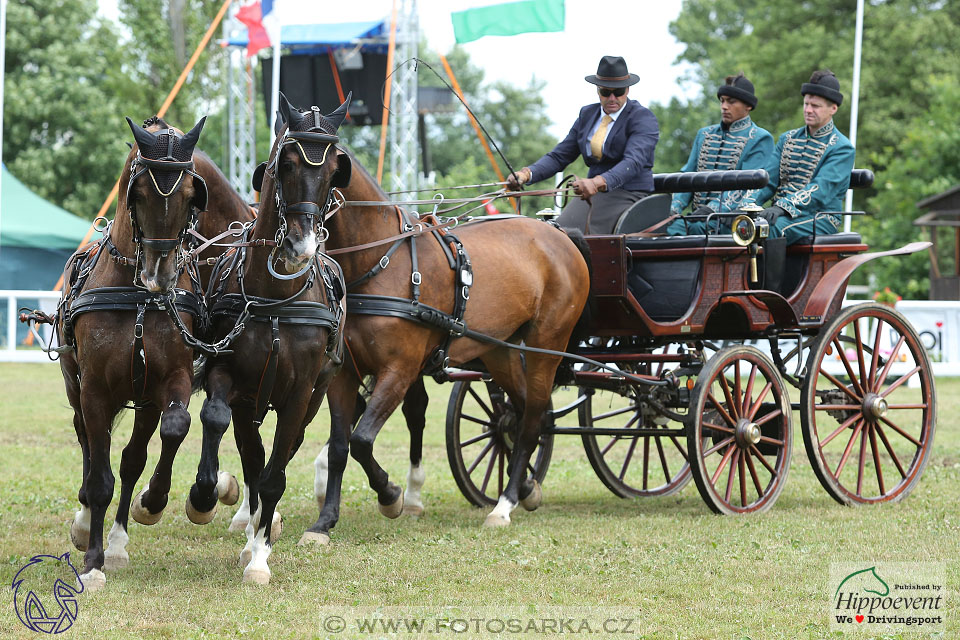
124	347
529	285
287	326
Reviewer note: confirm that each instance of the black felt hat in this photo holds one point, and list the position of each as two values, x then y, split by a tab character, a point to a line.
612	72
740	88
824	84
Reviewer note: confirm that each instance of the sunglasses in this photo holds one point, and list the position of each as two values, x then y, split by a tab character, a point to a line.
605	93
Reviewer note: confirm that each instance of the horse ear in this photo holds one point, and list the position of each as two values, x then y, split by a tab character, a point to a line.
189	141
336	118
144	138
341	177
290	114
257	180
278	123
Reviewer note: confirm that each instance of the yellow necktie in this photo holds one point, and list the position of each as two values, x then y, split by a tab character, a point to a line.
596	142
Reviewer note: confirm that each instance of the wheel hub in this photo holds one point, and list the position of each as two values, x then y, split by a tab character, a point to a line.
874	406
748	433
506	426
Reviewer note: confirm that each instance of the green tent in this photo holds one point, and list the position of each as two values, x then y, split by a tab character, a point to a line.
36	237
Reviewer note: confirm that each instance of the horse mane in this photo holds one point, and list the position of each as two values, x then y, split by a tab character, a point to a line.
358	166
155	121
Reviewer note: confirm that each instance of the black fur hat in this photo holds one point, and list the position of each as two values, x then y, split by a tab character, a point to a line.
740	88
824	84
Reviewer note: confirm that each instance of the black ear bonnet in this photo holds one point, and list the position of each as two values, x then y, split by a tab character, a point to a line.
166	156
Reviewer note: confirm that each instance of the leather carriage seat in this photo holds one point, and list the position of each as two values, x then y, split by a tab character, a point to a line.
643	214
659	243
832	239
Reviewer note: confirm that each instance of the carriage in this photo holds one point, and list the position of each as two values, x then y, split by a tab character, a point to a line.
697	343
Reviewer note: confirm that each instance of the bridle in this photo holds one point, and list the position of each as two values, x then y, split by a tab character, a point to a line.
315	215
140	166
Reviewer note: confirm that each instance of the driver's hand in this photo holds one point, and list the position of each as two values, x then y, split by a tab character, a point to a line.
518	178
586	188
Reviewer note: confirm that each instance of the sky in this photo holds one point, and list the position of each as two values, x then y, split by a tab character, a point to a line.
635	29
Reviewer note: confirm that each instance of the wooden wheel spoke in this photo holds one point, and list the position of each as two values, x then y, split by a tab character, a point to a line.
903	433
760	396
886	444
773	441
718	446
489	472
738	389
875	356
609	446
846	452
863	457
876	459
856	333
826	374
476	439
723	463
749	392
481	402
626	460
663	460
646	461
899	382
616	412
732	406
483	454
768	417
753	474
919	405
756	452
732	474
722	410
843	427
718	427
679	447
886	368
741	472
837	407
846	364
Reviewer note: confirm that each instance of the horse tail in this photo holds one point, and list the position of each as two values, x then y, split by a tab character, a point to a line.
581	331
199	373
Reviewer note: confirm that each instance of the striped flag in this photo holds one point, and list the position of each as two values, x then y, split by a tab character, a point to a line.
263	26
508	19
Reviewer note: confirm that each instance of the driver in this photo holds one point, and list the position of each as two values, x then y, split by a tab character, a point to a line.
616	138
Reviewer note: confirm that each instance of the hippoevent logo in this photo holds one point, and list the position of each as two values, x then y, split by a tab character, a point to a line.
887	597
45	593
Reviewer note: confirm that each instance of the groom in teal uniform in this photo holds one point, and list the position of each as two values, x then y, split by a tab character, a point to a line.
810	167
735	143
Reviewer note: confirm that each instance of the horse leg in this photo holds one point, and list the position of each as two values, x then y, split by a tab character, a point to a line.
80	527
99	484
387	394
252	455
321	471
174	424
215	415
132	462
415	411
341	397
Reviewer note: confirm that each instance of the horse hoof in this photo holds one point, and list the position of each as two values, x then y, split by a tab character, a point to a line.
140	512
200	517
311	537
114	561
496	520
245	556
413	510
392	510
79	536
228	489
238	524
93	580
276	527
256	576
533	500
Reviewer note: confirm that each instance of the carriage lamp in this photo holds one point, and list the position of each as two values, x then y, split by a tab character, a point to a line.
746	231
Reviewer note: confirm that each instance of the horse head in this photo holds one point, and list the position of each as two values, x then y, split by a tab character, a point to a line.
163	197
305	168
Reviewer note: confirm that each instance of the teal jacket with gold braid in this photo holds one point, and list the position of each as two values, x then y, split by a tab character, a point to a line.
808	173
742	145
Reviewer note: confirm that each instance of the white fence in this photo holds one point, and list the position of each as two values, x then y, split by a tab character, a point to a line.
937	322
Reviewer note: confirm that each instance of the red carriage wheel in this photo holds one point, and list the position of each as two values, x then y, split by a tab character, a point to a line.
632	466
481	428
739	434
868	406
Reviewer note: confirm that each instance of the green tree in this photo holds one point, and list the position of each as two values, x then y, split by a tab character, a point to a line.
64	132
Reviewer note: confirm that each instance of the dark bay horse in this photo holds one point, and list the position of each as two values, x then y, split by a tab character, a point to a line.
124	347
283	302
529	284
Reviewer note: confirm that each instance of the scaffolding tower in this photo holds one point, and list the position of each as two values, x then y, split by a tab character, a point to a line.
241	136
402	128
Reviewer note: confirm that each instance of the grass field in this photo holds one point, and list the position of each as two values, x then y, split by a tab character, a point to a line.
669	564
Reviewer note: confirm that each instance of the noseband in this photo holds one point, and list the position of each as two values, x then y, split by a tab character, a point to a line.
316	215
141	165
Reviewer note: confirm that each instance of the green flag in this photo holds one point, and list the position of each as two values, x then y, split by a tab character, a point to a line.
508	19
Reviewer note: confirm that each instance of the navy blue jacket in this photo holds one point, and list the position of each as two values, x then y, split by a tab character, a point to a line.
627	161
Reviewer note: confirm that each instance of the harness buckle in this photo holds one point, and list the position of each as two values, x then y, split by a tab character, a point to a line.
416	278
138	330
384	262
466	277
465	292
458	328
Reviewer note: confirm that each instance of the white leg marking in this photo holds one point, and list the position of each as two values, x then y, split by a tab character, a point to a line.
249	530
80	529
116	557
242	516
93	580
257	570
412	502
500	516
320	466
